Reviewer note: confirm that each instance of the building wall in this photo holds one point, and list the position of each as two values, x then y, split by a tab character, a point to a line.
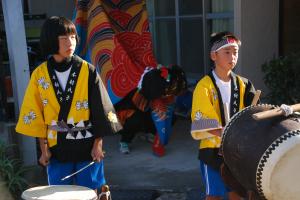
257	24
290	19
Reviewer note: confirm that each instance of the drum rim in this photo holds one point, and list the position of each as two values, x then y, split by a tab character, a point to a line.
262	179
234	118
231	120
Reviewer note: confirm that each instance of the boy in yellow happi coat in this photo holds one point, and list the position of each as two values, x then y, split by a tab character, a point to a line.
63	108
220	86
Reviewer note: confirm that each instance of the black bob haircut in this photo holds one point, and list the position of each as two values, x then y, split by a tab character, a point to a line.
52	28
215	37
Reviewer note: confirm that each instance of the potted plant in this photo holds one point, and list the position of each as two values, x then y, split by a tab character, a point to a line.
12	182
281	77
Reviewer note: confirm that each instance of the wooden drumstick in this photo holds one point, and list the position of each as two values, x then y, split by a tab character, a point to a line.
226	112
78	171
227	118
256	97
274	112
226	115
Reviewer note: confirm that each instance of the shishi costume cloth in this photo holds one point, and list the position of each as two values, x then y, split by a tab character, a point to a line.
65	118
115	37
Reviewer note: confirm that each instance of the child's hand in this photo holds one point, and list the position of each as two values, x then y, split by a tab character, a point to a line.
45	157
97	152
216	132
46	154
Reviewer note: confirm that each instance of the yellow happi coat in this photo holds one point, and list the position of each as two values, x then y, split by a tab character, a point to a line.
41	107
206	104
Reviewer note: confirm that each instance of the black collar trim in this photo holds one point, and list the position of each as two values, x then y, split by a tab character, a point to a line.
235	96
65	98
61	66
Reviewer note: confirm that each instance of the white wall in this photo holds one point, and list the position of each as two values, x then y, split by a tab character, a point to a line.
257	24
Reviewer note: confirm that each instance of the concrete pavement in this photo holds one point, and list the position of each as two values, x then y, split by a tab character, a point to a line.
177	173
179	168
142	176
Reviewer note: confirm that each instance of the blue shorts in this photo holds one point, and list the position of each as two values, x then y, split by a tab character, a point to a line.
212	181
91	177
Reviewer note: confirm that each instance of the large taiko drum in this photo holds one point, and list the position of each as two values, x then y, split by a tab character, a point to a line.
59	192
264	155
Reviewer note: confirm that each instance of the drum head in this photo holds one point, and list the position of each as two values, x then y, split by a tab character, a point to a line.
241	147
278	169
59	192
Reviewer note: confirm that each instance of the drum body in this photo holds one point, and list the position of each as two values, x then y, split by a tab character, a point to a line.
59	192
264	155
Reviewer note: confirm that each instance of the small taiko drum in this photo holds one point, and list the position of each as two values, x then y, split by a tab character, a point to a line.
264	155
59	192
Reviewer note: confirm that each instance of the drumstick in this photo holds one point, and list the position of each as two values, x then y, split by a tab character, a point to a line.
83	168
227	118
226	113
274	112
256	97
80	170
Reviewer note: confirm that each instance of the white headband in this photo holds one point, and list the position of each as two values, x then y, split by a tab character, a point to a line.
227	42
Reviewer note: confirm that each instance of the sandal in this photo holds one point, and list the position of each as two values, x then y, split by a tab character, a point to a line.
105	193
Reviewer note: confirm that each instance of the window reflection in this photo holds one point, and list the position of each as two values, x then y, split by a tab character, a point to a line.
164	7
189	43
165	41
215	6
190	7
192	45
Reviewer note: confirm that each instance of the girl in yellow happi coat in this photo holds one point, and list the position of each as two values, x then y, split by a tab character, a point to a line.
63	108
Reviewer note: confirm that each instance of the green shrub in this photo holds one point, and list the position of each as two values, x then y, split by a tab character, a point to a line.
282	78
12	171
